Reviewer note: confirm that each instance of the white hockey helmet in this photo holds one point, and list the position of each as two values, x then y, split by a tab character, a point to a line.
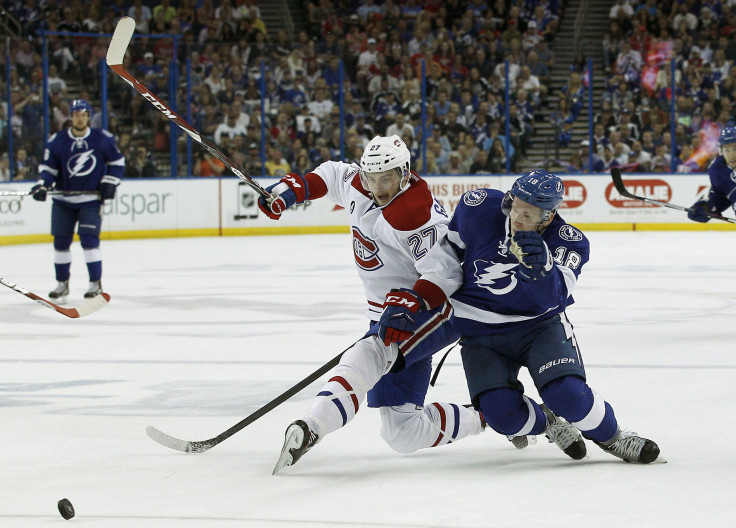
383	154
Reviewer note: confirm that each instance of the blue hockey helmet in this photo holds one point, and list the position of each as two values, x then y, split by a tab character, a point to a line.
538	188
727	135
80	105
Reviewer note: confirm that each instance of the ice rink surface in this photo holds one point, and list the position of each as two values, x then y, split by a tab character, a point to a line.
200	332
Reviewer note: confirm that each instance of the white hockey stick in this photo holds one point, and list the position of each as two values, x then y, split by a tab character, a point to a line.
92	305
115	55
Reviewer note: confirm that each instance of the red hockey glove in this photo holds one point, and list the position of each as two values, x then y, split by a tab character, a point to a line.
290	190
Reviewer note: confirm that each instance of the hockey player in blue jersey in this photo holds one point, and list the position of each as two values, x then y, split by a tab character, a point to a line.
722	174
78	159
510	264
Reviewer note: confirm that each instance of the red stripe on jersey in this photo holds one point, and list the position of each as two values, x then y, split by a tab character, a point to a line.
342	381
377	305
412	208
443	423
430	292
428	327
317	186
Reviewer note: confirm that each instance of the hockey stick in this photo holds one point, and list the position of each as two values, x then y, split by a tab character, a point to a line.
65	193
189	446
92	305
115	55
623	191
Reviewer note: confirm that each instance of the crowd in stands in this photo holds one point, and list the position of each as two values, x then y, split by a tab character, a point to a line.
382	46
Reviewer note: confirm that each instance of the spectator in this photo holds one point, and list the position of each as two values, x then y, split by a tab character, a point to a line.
229	128
640	156
4	167
139	165
401	128
26	166
276	165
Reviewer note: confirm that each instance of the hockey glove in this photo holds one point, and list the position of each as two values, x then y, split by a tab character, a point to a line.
108	186
397	320
290	190
698	212
535	259
39	191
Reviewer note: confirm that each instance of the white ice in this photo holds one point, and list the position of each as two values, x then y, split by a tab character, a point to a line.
200	332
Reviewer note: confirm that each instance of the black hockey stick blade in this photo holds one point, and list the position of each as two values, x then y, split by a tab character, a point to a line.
115	55
192	446
88	307
623	191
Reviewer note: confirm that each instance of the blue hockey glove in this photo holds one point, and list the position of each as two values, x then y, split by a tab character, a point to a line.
108	186
397	321
39	191
290	190
698	212
535	259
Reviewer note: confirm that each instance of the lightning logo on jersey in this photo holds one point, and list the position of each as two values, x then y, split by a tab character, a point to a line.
81	164
496	278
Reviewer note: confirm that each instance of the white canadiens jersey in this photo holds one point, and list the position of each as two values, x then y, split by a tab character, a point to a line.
387	241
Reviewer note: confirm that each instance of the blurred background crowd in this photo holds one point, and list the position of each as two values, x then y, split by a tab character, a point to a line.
570	106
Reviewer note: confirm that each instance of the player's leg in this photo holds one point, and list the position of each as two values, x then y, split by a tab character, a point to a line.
336	404
492	364
90	226
407	424
63	220
558	372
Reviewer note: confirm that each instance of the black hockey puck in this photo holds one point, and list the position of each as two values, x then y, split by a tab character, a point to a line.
66	509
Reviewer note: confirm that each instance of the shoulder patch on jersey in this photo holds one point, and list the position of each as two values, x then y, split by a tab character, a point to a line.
412	208
473	198
570	233
106	132
351	174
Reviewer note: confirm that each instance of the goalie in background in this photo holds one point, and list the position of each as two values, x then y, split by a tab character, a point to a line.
722	174
78	159
510	264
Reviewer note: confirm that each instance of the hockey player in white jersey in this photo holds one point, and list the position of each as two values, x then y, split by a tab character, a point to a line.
394	220
86	162
510	263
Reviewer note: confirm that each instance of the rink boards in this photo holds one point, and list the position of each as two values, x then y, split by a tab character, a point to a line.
226	206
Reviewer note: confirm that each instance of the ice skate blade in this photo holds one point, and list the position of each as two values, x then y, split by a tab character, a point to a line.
294	438
59	300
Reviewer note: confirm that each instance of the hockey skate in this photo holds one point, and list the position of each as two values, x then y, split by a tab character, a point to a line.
299	440
95	288
629	447
566	436
60	293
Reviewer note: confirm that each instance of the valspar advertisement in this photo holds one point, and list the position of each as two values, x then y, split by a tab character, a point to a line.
228	206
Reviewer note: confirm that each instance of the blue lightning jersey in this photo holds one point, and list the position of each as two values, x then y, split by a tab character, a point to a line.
472	263
79	163
722	185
